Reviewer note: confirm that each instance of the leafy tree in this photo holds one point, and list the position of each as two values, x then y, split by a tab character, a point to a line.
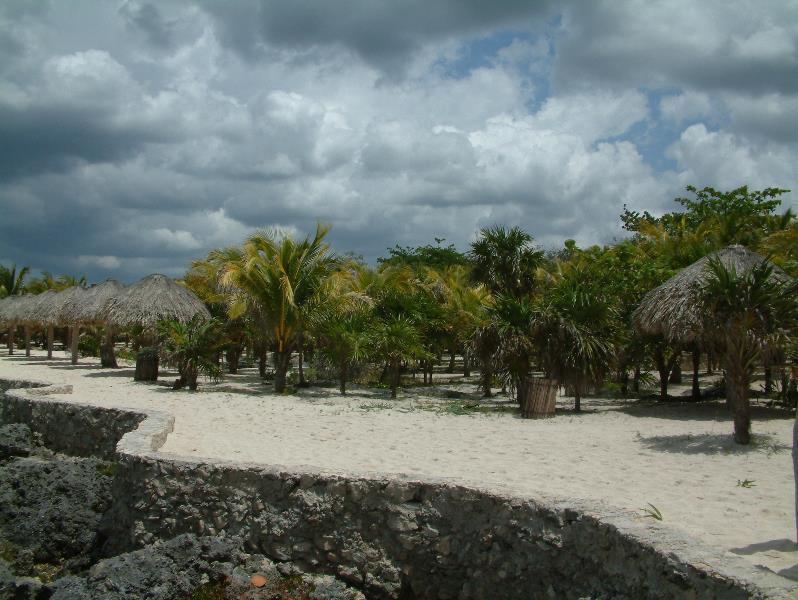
429	256
343	338
191	348
281	280
745	313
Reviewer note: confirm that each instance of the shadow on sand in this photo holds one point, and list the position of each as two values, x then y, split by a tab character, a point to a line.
711	443
782	545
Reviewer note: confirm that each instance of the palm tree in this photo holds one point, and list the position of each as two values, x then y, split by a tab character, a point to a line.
505	260
343	338
745	313
394	341
11	282
280	280
577	332
191	348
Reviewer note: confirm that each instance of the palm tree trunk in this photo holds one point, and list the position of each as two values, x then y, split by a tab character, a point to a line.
466	363
578	397
107	355
301	360
343	372
282	361
73	343
676	372
487	379
768	380
737	392
663	370
636	380
50	341
262	363
395	375
696	392
450	369
12	330
26	329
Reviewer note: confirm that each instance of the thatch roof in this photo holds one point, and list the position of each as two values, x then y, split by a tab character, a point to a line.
52	309
153	299
23	311
672	309
7	308
90	308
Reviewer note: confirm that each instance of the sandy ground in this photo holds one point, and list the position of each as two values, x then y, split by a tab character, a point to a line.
680	458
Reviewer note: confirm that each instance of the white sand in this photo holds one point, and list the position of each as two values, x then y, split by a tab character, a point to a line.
679	458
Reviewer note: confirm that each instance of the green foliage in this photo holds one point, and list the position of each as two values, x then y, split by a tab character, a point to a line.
428	256
505	260
652	512
192	348
11	281
746	483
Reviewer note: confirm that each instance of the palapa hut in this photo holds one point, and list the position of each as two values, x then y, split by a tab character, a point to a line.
7	309
90	309
147	302
53	312
23	312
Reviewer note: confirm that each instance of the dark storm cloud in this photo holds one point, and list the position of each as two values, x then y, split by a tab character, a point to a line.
46	139
382	32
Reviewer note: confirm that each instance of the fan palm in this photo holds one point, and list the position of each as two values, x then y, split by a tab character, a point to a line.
395	340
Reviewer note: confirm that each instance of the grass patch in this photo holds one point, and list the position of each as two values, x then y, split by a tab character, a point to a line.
108	469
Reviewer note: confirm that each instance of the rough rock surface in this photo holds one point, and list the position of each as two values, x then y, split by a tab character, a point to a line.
176	569
16	439
50	508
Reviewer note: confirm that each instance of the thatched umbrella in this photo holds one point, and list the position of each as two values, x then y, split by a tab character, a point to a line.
54	312
147	302
23	312
7	309
90	309
673	311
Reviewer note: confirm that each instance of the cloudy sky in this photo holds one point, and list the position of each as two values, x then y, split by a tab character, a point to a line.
136	136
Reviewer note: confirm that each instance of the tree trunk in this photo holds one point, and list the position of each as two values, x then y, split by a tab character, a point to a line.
12	330
73	342
301	360
450	369
636	380
26	330
107	355
578	397
191	378
343	373
487	379
282	360
232	356
262	364
466	363
676	372
625	382
768	380
50	341
395	374
696	392
662	369
737	392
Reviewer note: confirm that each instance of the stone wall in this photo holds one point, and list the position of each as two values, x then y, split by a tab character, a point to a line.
396	538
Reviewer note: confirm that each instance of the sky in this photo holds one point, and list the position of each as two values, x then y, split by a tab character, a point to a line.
135	136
